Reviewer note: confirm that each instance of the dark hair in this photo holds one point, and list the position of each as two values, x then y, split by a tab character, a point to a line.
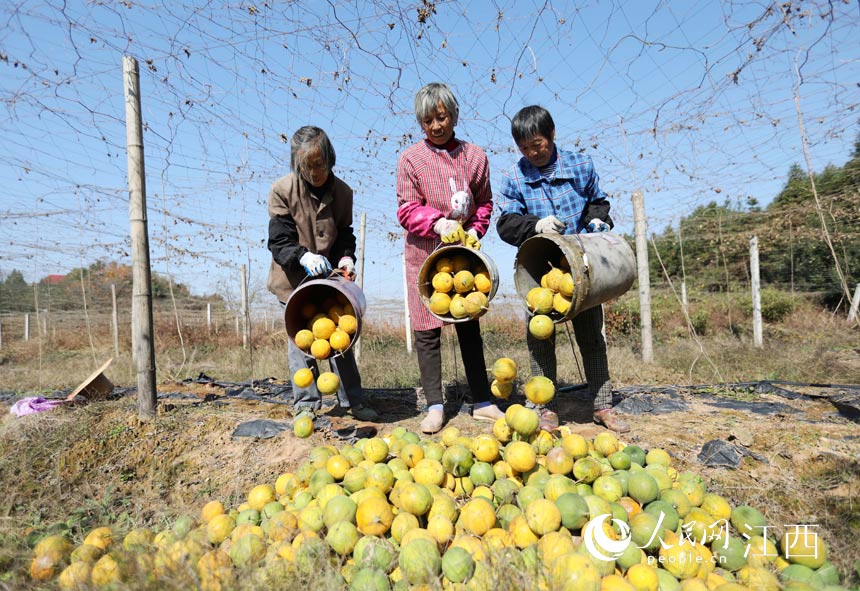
428	98
532	121
306	140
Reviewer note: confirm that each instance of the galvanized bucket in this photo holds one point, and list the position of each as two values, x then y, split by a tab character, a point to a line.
477	260
602	265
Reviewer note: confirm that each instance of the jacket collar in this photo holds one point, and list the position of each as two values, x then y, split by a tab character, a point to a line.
563	167
326	197
436	148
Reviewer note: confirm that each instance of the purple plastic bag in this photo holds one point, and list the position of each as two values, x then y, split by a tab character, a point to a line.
28	406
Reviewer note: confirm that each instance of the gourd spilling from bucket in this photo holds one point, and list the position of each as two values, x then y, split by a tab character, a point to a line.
456	283
323	316
559	276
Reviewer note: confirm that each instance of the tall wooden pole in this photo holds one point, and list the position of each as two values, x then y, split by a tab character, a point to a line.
114	317
407	321
684	304
359	277
640	229
36	304
244	307
755	280
209	317
855	303
141	309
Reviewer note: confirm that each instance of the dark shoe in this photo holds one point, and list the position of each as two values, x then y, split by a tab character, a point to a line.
364	413
610	419
548	420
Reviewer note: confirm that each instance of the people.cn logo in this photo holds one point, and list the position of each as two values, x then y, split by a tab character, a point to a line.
601	545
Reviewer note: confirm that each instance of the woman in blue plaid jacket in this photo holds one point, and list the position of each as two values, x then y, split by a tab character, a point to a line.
553	191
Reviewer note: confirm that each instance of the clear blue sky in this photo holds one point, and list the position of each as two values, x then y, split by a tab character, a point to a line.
689	101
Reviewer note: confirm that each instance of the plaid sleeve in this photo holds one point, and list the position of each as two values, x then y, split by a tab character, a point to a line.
511	199
413	213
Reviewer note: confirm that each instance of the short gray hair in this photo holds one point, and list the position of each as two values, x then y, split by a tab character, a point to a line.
304	141
428	98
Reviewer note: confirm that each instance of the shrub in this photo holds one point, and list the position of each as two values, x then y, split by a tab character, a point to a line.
622	316
700	319
775	305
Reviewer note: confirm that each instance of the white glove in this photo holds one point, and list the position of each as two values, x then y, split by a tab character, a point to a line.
549	225
347	265
314	264
597	225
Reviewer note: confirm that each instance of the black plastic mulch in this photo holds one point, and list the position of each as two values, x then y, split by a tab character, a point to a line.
401	403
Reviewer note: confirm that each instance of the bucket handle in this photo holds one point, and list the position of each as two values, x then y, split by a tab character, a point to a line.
333	274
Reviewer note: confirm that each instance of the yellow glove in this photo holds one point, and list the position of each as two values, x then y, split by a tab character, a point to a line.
451	231
471	239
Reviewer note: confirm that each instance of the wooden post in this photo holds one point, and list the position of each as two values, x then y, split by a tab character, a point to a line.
791	252
114	318
640	229
406	308
26	326
209	317
684	305
1	333
855	303
36	305
755	281
244	308
237	327
359	276
143	342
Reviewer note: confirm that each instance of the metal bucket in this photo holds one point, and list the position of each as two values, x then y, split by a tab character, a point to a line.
322	293
602	265
477	260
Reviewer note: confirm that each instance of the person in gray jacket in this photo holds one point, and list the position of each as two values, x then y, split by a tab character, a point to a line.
310	233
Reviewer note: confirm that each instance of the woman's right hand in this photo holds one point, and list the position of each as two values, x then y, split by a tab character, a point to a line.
315	264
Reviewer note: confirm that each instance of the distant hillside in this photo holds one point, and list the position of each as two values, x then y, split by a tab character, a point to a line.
66	292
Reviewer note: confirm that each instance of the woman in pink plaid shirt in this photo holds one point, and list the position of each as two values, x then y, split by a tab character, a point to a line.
427	212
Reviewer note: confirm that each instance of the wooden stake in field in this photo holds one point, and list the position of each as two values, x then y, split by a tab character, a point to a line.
114	317
755	281
406	318
359	278
640	230
855	303
142	339
244	307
